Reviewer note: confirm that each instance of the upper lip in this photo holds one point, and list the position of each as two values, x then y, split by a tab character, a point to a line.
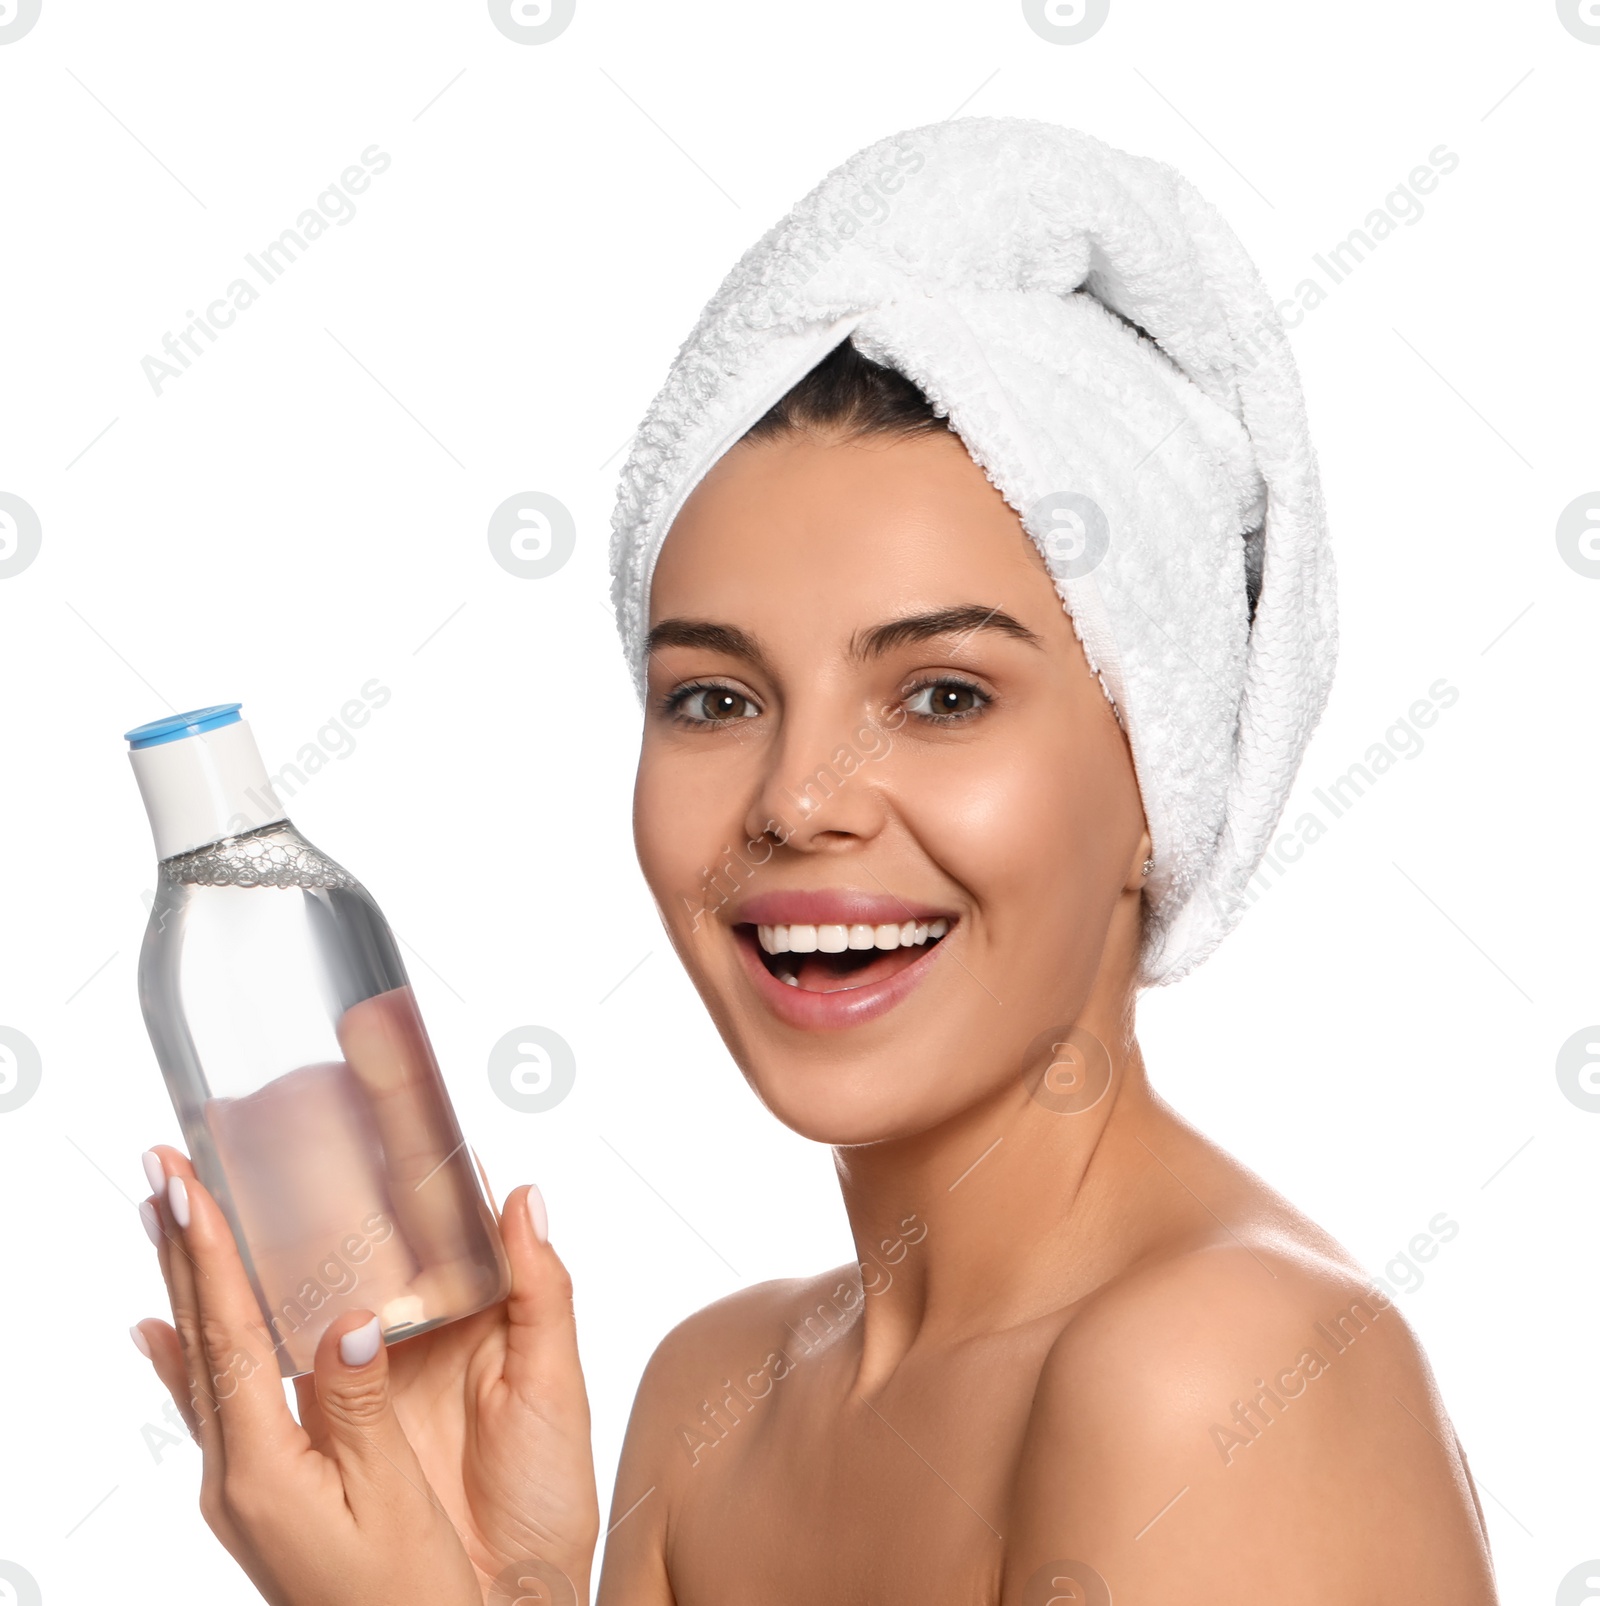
832	906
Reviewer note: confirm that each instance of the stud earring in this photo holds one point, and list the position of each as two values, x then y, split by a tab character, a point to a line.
1147	867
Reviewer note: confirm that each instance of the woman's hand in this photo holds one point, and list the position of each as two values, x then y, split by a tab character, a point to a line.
430	1472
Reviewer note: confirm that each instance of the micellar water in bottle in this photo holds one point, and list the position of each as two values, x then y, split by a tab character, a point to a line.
298	1064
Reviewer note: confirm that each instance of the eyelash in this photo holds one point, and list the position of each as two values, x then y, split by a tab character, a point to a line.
675	701
956	683
673	704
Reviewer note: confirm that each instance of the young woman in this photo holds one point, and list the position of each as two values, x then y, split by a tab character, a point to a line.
905	818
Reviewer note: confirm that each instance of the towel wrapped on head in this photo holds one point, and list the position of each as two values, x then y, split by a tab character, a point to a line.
1108	354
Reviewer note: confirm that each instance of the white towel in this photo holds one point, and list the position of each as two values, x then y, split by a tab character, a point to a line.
1108	353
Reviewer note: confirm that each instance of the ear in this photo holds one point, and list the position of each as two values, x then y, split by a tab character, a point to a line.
1136	878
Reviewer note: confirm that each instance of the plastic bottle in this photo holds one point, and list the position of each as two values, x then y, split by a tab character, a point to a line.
298	1064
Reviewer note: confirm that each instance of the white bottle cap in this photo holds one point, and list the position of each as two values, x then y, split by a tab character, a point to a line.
202	778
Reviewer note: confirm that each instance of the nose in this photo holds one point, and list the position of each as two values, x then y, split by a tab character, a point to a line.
822	784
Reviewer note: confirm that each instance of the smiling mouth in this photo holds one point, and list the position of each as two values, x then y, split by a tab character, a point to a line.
833	959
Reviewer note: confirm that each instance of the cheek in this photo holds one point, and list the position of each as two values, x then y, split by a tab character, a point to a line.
686	822
1033	827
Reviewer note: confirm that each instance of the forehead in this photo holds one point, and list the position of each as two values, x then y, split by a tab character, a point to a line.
809	529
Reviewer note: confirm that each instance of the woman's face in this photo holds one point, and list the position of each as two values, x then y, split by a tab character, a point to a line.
869	720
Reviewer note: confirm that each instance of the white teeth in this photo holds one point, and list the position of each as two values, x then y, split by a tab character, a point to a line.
835	939
790	981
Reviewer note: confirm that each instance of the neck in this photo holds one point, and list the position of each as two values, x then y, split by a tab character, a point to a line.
1001	1215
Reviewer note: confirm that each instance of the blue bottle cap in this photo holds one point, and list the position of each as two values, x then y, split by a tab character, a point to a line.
176	726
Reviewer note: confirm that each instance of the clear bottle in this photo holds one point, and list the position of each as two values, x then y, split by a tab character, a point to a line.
298	1064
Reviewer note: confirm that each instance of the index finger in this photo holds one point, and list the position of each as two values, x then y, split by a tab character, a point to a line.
240	1355
386	1045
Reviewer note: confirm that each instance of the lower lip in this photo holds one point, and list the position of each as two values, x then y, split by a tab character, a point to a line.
848	1006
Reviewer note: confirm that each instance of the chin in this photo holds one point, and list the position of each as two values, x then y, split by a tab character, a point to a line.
848	1071
850	1106
853	1115
860	1018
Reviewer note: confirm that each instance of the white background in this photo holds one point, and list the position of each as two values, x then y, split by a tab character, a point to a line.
305	509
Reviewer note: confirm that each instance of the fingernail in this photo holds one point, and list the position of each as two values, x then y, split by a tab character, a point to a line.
358	1347
537	1214
178	1200
140	1342
152	1170
152	1222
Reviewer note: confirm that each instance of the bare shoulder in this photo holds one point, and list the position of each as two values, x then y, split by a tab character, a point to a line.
701	1381
724	1343
1249	1394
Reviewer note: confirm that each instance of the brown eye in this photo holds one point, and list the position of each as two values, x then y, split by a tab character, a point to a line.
712	705
722	705
947	700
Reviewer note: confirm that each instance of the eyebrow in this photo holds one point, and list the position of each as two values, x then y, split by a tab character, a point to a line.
964	619
705	634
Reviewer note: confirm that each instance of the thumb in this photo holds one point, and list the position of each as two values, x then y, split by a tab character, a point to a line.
352	1388
542	1339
